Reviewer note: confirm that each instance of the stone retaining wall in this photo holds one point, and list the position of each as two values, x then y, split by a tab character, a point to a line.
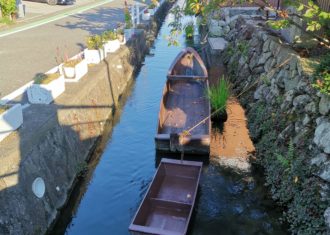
289	122
57	140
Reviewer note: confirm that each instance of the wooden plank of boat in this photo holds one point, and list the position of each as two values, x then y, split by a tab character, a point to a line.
183	105
188	63
168	204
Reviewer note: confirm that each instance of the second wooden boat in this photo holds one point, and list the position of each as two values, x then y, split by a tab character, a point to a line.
168	204
184	104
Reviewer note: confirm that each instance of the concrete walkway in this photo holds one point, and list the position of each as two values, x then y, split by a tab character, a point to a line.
32	47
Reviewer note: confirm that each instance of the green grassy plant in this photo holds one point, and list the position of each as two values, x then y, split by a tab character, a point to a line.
322	75
42	78
94	42
109	35
218	95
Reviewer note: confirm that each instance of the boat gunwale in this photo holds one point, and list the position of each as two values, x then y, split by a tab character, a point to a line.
179	56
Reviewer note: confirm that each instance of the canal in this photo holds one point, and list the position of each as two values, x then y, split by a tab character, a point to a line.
228	203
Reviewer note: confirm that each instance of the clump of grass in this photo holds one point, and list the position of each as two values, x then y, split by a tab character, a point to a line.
42	78
6	20
218	95
72	63
4	108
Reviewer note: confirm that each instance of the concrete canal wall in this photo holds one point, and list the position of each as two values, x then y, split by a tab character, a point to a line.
289	122
57	140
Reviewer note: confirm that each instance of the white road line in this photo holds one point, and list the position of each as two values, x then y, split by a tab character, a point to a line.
51	19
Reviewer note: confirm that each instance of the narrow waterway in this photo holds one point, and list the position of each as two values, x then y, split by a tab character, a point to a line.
227	203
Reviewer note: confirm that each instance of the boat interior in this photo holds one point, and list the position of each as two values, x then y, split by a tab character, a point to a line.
187	65
168	204
184	104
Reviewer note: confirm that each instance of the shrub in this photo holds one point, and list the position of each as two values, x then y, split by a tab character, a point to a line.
94	42
109	35
189	30
322	75
42	78
128	19
218	95
7	7
289	175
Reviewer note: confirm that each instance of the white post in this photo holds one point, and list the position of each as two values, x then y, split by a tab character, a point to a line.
137	13
133	16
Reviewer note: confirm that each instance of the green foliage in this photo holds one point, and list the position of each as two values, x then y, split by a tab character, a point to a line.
278	24
187	8
42	78
189	30
175	25
322	75
288	172
128	19
243	48
218	95
6	20
7	7
94	42
109	35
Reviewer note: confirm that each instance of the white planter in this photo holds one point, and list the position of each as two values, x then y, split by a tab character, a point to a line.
74	74
10	120
152	11
111	46
146	16
94	56
46	93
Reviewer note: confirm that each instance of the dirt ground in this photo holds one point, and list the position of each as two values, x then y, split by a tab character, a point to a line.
234	140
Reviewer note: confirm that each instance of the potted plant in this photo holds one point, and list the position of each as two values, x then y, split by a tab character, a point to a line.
46	87
189	30
11	118
146	15
74	69
111	42
94	53
218	96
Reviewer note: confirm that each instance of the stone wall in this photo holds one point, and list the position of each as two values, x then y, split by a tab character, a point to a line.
289	122
57	140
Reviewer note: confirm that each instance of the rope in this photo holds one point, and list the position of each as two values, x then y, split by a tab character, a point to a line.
187	132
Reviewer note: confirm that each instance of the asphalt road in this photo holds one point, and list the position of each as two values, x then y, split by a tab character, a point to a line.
26	53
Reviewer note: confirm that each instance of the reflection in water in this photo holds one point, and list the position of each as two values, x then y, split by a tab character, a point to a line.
227	203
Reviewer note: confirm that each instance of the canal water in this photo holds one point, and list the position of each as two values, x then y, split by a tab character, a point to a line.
227	203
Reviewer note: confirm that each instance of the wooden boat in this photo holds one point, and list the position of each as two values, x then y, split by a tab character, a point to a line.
168	204
188	63
184	104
